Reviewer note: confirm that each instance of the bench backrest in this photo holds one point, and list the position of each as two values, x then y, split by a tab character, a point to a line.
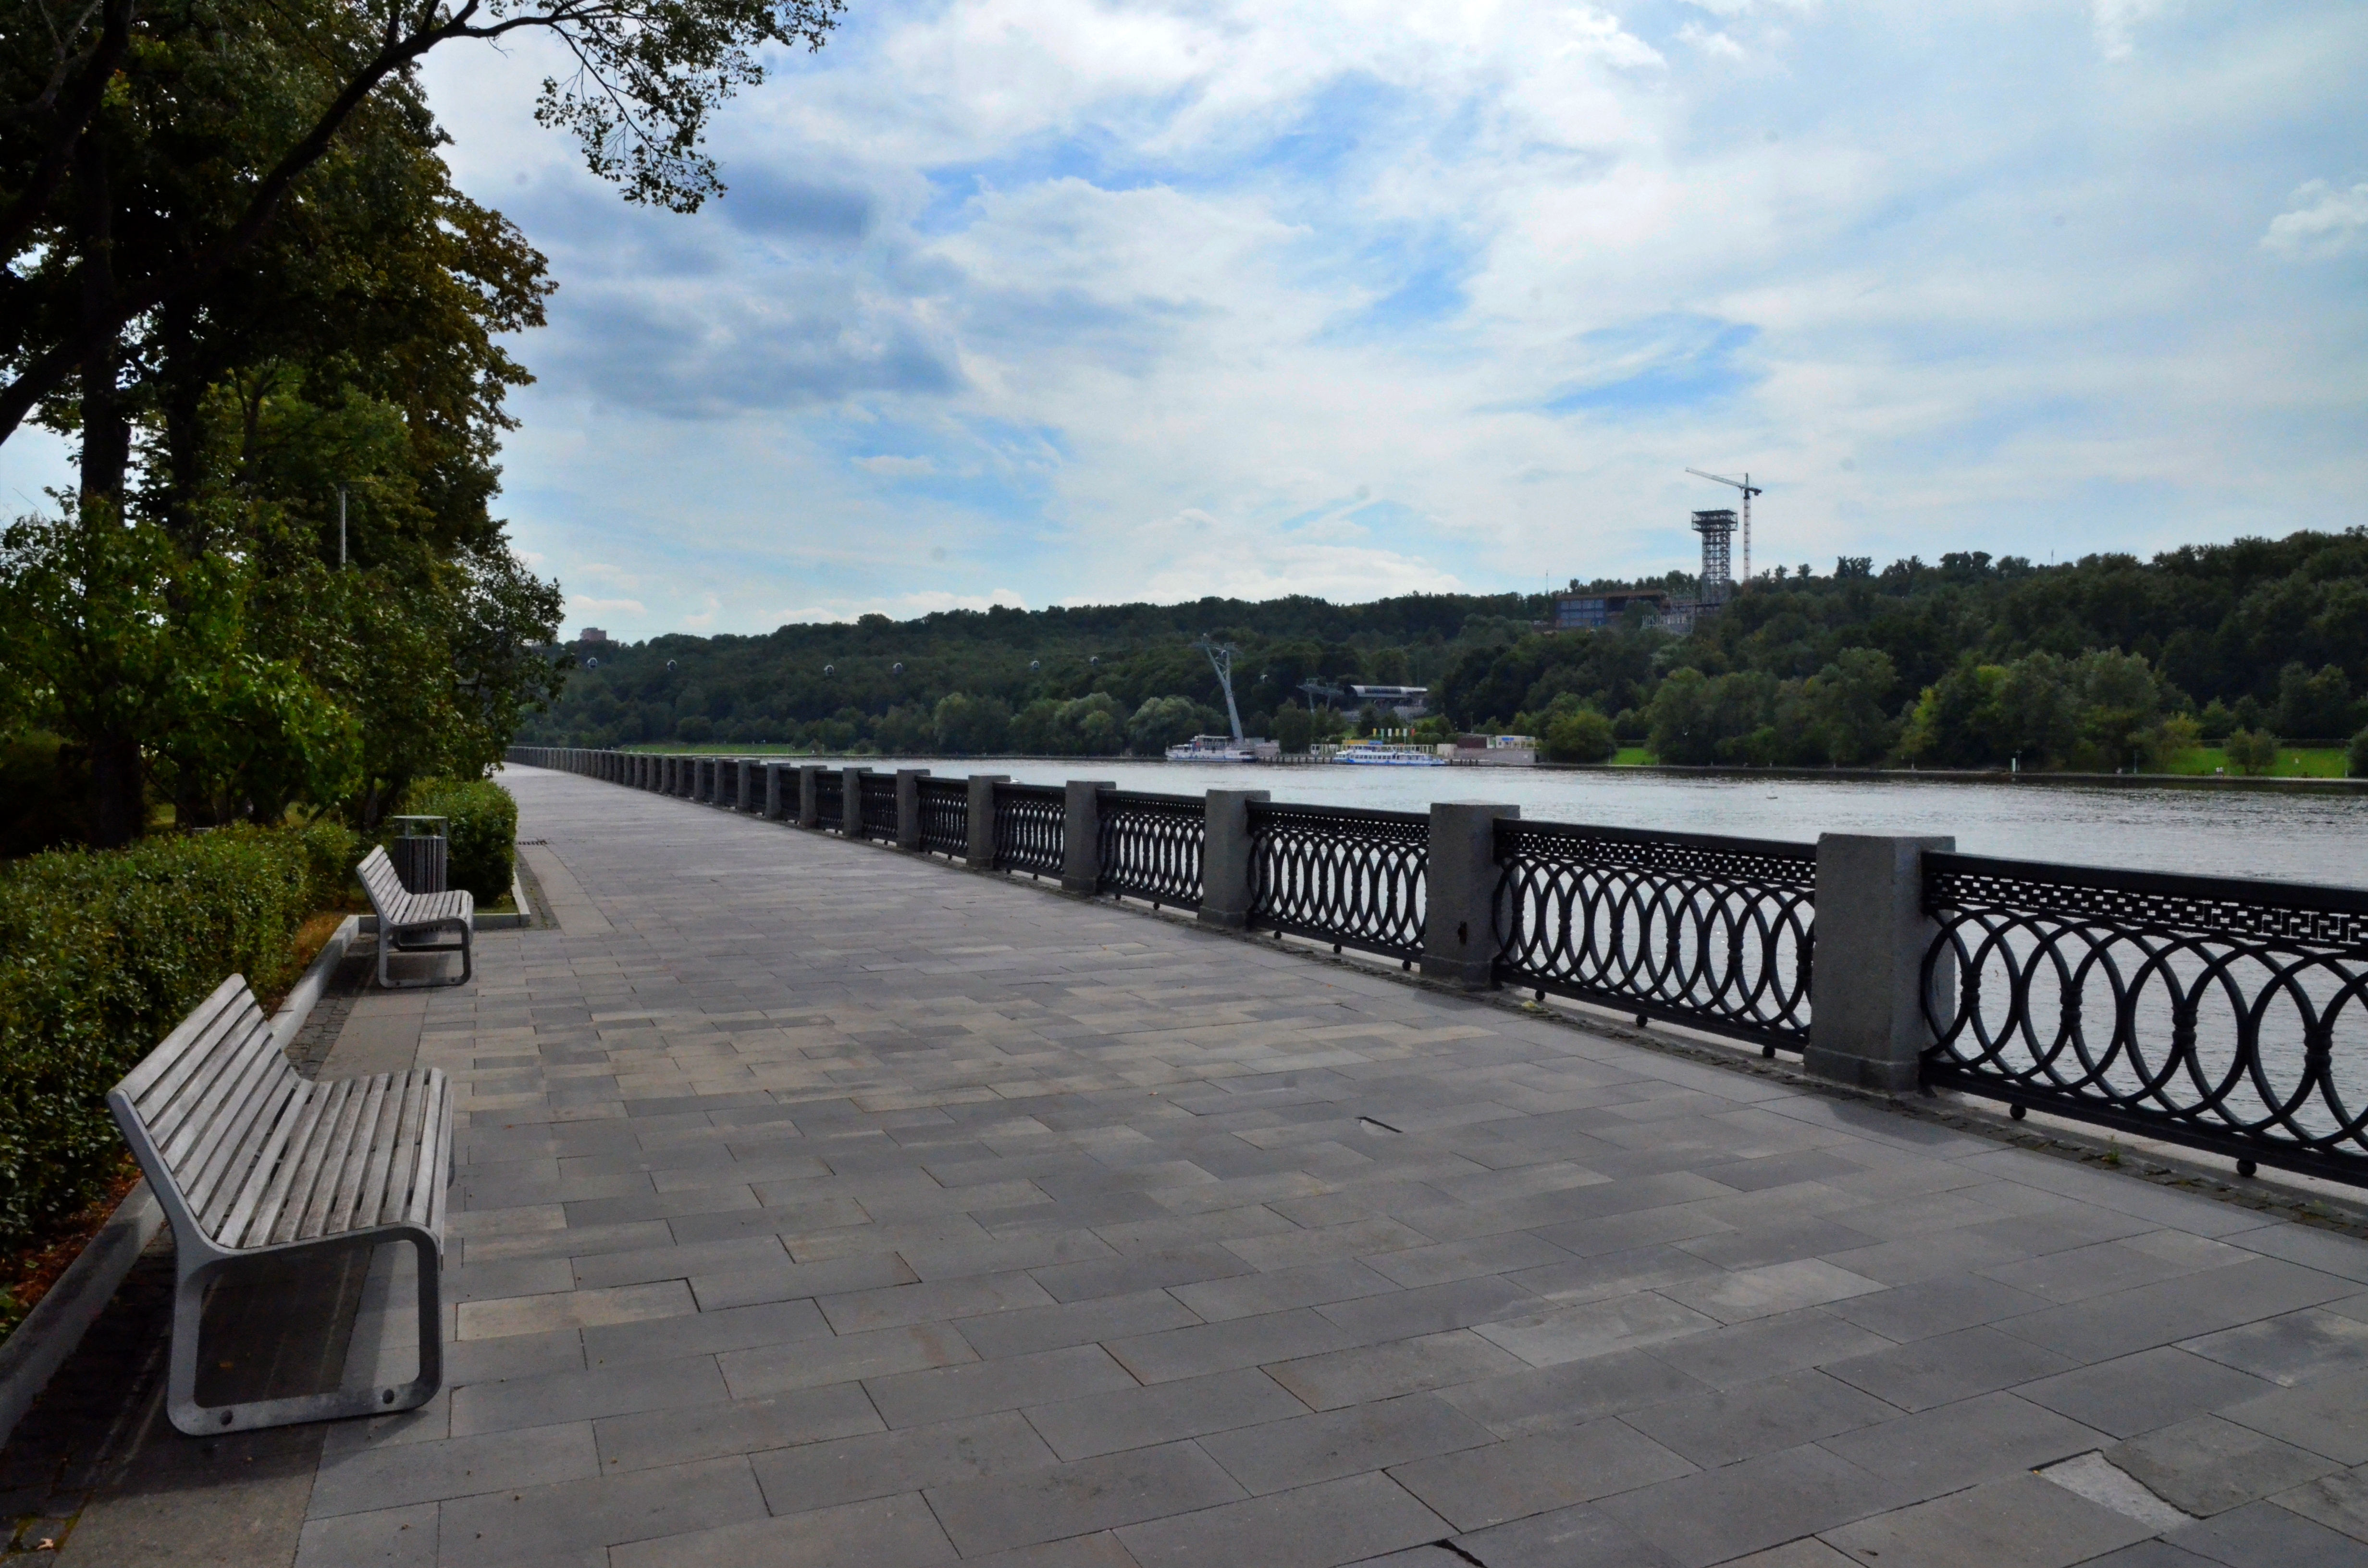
212	1100
380	879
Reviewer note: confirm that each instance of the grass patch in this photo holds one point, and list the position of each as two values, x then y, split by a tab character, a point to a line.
2294	762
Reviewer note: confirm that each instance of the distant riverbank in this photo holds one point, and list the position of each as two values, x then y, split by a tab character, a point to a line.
2305	769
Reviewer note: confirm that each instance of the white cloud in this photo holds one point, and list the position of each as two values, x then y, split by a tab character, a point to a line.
583	604
2325	222
2116	23
1710	40
1144	287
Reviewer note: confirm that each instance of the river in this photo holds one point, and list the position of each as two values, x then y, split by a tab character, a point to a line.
2298	837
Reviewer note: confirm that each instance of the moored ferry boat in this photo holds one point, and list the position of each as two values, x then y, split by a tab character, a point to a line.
1380	753
1223	748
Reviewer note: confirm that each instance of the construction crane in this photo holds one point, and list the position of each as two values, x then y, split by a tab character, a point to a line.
1749	490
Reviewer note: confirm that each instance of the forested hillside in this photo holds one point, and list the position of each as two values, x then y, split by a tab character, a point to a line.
2106	662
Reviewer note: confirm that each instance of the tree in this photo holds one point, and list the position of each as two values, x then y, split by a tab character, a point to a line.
1846	706
1161	722
2251	752
2356	758
2317	706
1583	736
1293	729
2122	703
87	98
354	346
971	726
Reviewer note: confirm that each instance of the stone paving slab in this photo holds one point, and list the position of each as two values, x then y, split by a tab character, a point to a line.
821	1204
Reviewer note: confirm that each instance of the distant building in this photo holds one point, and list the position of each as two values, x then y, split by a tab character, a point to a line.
1580	611
1408	702
1491	751
591	634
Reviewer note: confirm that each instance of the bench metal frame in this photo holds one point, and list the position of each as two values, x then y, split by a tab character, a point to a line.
416	922
249	1146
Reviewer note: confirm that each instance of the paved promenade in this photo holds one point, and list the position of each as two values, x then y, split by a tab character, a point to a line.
819	1205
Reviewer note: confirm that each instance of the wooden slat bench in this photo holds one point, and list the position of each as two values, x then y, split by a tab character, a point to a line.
250	1158
415	922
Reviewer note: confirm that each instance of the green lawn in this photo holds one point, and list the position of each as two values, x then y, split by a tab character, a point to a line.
2315	762
1631	757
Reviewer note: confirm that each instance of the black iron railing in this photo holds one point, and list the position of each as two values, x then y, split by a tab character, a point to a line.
1150	846
945	817
830	788
1030	828
1717	934
879	804
2211	1012
1354	879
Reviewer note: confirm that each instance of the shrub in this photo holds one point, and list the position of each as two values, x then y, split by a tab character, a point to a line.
2251	752
101	953
2357	758
483	831
1583	736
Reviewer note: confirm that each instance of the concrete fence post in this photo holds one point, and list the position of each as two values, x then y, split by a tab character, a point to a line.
748	796
781	790
1866	985
809	795
979	854
1458	938
850	802
1081	844
908	806
1225	859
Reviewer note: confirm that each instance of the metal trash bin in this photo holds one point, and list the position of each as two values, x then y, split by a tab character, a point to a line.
420	851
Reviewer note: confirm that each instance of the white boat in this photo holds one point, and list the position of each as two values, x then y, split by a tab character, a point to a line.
1373	753
1219	748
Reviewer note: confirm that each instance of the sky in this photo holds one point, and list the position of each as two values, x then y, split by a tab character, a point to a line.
1044	301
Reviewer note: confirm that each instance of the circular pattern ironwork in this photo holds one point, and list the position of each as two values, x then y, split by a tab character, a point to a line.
1718	933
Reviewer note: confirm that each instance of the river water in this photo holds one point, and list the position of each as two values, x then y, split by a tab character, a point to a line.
2298	837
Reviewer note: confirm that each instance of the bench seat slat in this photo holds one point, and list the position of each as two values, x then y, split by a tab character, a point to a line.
255	1150
382	1188
257	1202
371	1132
288	1215
312	1216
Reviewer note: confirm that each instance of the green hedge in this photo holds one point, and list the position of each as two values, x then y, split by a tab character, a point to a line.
101	953
483	831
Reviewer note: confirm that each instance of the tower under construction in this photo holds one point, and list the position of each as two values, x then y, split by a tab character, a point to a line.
1717	530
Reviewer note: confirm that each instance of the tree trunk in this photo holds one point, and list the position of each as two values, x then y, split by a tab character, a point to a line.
117	781
119	791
